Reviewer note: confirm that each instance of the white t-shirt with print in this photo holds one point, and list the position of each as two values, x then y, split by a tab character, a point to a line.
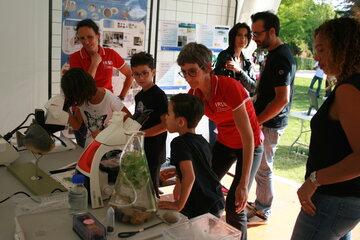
97	116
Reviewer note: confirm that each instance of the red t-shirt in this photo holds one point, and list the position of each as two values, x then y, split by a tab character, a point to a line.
227	95
104	72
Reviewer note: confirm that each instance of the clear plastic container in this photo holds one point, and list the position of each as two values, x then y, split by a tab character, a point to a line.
204	227
134	196
78	196
88	227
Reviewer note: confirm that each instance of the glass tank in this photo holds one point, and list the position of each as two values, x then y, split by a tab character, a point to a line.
133	198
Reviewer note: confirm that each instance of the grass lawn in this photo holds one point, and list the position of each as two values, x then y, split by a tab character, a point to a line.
291	163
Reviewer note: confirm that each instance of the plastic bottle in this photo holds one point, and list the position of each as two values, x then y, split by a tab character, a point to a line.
78	196
110	221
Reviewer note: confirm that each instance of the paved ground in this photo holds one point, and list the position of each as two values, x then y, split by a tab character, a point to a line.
285	210
305	73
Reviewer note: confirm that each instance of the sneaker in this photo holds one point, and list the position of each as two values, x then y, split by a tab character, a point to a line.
256	220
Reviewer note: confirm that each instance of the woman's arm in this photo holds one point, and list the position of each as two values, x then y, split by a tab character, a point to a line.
345	111
128	80
247	77
243	125
95	61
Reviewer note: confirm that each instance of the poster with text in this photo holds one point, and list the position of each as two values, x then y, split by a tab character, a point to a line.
175	35
121	23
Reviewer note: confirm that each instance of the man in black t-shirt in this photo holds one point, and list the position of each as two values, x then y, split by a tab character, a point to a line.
197	190
151	101
272	105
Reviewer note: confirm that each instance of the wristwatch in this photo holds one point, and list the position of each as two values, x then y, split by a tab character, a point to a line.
313	179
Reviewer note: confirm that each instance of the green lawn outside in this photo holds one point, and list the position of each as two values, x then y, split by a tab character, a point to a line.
291	163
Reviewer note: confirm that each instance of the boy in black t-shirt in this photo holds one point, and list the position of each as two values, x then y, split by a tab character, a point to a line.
150	99
197	189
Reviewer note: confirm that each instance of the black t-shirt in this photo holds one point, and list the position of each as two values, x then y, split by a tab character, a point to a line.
279	70
152	99
329	145
206	195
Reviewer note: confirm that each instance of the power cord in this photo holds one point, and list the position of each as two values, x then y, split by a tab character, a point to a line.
57	189
9	134
20	192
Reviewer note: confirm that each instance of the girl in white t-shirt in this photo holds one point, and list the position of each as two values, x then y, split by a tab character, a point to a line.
92	105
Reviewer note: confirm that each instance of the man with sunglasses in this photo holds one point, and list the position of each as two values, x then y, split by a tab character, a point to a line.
272	105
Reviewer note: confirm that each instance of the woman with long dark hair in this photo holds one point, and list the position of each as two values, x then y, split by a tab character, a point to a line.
232	63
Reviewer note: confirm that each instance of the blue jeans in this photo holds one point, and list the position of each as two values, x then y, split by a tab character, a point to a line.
313	81
334	219
264	175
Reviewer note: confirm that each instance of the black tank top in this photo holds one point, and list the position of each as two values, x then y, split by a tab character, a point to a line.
329	145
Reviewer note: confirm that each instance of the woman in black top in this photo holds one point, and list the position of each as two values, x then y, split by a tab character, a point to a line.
232	63
330	195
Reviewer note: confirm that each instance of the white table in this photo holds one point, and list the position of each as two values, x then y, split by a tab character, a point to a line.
60	220
303	117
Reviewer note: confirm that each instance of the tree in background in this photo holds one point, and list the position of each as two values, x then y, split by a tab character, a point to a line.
298	19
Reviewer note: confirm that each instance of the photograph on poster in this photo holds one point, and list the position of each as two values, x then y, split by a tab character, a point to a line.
125	37
70	5
107	12
82	13
114	10
70	43
113	39
92	7
138	41
131	51
182	41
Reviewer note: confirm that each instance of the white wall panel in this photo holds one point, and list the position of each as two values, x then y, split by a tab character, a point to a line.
24	61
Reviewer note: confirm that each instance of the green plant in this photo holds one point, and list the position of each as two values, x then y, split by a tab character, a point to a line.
134	167
304	63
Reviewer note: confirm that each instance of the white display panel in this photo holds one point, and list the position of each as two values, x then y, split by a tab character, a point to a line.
24	60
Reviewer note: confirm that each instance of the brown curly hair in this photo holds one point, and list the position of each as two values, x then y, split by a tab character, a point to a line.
344	37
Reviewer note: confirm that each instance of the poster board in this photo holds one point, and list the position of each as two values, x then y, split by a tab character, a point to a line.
121	24
175	35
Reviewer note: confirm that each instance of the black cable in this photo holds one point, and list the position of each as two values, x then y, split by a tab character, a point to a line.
57	189
62	170
9	134
20	192
61	141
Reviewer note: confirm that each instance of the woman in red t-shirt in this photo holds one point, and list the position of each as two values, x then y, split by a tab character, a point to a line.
229	106
99	62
